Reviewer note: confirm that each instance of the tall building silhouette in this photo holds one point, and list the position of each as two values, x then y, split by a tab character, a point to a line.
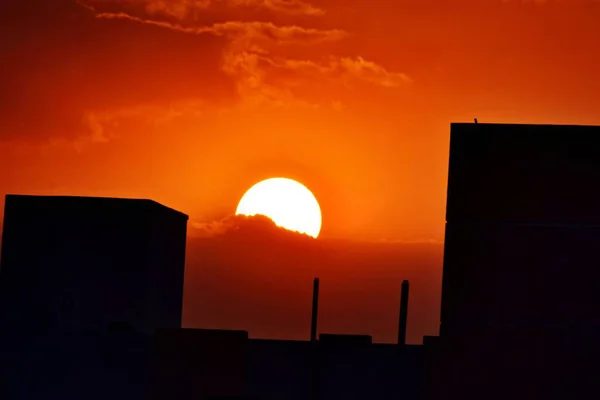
74	271
520	295
81	264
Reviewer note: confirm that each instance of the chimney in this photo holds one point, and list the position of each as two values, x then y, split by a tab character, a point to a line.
315	311
403	314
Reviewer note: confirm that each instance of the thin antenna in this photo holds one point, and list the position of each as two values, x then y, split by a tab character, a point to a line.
403	314
315	311
313	338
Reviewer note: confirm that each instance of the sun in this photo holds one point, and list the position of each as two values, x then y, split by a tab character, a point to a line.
287	202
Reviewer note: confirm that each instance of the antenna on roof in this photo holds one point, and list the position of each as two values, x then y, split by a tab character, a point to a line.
315	311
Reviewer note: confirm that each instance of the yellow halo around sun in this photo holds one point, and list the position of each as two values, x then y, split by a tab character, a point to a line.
288	203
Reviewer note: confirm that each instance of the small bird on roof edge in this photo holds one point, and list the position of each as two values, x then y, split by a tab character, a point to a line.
476	121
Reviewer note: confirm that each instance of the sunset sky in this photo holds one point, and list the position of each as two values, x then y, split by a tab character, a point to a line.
191	102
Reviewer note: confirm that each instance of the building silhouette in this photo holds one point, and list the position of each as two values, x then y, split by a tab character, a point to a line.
91	295
198	363
520	296
76	269
204	363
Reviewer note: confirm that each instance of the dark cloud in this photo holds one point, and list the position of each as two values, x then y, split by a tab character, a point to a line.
242	226
246	273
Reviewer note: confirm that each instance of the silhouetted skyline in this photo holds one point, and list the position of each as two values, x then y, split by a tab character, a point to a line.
104	103
191	103
93	287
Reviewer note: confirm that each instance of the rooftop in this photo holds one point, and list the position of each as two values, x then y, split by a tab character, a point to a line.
69	203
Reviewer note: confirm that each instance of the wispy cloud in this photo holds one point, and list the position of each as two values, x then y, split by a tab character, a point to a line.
297	7
190	9
252	56
546	2
245	56
246	59
245	32
342	67
100	125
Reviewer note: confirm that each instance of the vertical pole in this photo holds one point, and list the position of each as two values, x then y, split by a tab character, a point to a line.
315	311
313	339
403	314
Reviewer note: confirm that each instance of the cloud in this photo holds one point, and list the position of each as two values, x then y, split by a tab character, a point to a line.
528	1
262	225
85	74
229	224
257	32
296	7
99	127
175	8
98	124
245	33
78	75
545	2
190	9
248	58
371	72
341	67
241	225
262	78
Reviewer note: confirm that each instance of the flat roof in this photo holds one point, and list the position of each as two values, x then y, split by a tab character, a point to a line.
511	125
68	202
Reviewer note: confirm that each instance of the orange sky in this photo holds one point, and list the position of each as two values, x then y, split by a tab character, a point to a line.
191	102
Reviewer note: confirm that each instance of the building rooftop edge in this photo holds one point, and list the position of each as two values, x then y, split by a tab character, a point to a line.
98	198
523	125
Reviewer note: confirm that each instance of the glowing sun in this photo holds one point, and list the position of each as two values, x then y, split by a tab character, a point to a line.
288	203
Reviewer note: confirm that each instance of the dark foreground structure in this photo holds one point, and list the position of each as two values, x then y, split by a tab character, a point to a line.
74	268
91	294
225	364
520	310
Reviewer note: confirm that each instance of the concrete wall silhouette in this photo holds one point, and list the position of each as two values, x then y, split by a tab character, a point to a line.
375	371
196	363
79	264
520	298
523	218
72	268
199	364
